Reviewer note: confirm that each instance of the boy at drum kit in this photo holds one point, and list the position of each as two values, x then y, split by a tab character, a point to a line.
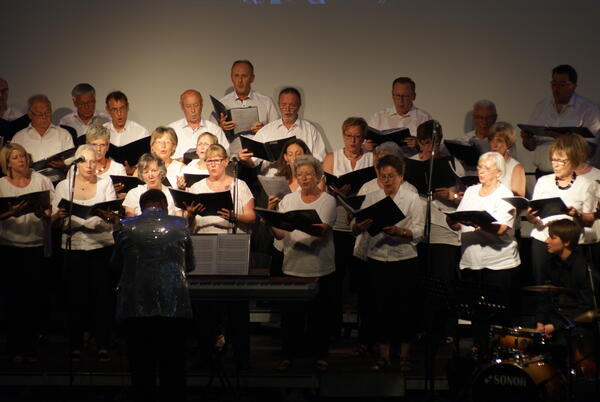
566	305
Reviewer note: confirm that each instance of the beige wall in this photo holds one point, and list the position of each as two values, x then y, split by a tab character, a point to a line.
343	56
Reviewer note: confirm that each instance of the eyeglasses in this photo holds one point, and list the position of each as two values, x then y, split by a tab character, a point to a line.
163	142
151	171
42	114
485	168
387	176
560	162
305	174
397	96
562	84
119	109
288	106
214	161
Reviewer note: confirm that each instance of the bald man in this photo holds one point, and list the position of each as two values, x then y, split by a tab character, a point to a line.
192	125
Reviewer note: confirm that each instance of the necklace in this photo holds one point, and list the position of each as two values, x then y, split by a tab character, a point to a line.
103	168
568	186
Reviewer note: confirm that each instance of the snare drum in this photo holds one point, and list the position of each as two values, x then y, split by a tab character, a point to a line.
508	341
520	380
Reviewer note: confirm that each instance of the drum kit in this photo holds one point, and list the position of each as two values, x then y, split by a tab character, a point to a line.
522	369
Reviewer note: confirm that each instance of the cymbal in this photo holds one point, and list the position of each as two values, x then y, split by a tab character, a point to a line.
586	317
548	289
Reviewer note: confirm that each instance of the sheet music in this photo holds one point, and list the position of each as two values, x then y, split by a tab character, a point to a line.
244	117
221	254
276	186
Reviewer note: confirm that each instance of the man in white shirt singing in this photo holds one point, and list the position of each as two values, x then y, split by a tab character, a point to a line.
85	115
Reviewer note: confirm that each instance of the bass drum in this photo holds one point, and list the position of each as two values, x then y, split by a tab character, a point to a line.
520	380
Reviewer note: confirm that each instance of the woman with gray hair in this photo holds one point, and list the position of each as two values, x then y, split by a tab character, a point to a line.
489	253
308	255
151	170
89	247
99	137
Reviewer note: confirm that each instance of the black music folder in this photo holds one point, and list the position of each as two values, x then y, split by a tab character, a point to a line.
43	163
212	202
546	206
130	152
191	179
466	153
35	201
479	218
384	213
276	186
353	201
128	182
397	135
356	179
87	211
269	151
190	155
545	131
301	219
417	174
244	118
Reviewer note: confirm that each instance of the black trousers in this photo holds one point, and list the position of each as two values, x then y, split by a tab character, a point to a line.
343	243
21	288
500	287
396	296
306	326
90	295
366	302
156	346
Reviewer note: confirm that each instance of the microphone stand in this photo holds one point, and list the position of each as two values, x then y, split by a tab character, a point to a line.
233	217
66	259
429	355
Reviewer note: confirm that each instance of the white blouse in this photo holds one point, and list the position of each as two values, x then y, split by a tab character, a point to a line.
216	224
132	199
383	247
91	233
305	255
580	196
25	230
486	250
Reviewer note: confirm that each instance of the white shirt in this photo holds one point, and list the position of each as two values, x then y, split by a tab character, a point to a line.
131	132
592	234
388	118
580	196
12	113
301	129
174	170
115	169
73	120
25	230
187	137
132	199
361	243
54	140
305	255
267	112
91	233
579	112
482	249
383	247
342	165
470	138
214	223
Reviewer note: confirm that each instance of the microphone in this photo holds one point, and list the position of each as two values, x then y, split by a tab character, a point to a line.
437	131
75	160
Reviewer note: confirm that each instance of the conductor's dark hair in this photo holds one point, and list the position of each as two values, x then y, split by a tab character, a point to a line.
244	61
567	230
117	96
405	80
291	90
566	69
391	160
152	196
